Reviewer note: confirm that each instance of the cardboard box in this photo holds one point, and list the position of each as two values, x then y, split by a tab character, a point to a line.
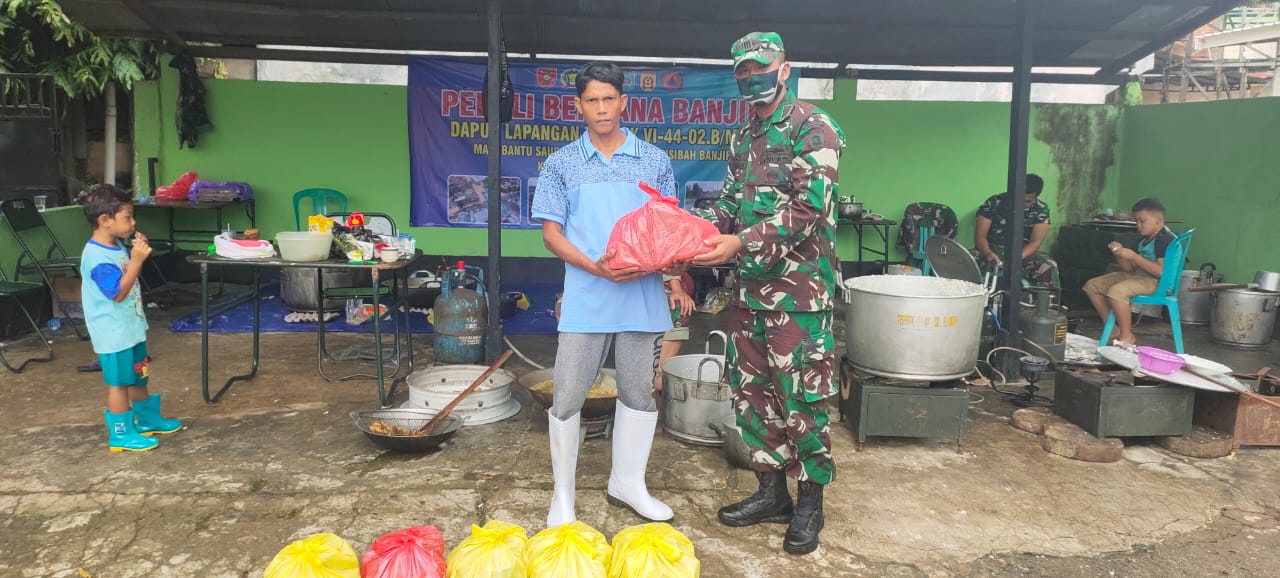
68	290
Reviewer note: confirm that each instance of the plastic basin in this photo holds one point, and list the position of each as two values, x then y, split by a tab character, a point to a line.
1159	361
304	245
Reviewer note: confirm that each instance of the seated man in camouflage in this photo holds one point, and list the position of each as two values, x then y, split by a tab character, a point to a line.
991	237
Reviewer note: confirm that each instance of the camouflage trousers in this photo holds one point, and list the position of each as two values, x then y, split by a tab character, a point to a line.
781	370
1038	270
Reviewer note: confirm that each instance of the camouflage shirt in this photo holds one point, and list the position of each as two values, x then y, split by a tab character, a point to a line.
779	198
998	208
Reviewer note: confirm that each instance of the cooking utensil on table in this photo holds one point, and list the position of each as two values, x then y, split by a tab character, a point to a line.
426	428
1262	281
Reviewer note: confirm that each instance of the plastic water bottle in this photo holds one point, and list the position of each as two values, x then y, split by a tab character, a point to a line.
55	323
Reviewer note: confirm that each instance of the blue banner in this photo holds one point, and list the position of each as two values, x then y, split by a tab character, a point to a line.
688	112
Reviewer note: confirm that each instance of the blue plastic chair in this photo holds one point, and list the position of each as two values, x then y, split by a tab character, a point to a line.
323	202
1166	293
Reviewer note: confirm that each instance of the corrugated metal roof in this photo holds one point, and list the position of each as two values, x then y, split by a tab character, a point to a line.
1089	33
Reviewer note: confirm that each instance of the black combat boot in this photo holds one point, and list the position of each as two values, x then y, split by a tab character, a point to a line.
802	534
771	503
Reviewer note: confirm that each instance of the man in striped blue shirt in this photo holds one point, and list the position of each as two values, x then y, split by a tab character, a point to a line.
583	189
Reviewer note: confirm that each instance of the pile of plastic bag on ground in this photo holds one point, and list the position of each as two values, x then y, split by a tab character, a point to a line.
316	556
658	234
653	551
415	552
495	550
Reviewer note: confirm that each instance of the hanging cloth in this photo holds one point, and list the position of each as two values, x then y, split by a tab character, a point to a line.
191	118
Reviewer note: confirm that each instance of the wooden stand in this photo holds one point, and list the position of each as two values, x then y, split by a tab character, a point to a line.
1249	421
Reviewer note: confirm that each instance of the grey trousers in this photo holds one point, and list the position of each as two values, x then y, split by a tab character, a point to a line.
580	356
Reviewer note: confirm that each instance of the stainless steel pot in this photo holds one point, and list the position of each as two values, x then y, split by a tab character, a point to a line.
298	287
736	451
1243	317
694	396
1267	280
1194	307
919	328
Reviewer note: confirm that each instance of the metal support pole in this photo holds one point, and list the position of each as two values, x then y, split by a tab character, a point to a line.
1019	127
1186	71
109	141
493	333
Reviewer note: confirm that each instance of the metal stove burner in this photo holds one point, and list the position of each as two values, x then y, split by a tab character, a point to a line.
1032	368
596	427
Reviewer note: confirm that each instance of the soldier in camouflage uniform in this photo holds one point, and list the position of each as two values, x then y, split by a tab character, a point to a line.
777	217
991	236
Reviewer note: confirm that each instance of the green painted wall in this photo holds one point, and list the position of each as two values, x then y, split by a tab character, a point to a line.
282	137
1214	166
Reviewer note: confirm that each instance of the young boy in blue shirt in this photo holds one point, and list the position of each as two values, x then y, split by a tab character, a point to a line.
117	322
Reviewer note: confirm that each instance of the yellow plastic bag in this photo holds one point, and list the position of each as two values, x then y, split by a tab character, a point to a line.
316	556
574	550
653	551
495	550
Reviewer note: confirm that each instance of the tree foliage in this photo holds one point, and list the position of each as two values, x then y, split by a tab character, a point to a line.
36	36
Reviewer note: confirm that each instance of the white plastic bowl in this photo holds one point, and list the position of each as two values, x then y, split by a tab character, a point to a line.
304	245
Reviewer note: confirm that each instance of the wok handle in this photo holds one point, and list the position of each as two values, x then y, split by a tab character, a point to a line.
1208	288
430	426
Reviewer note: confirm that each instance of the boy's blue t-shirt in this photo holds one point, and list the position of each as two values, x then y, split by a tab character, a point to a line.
1154	247
113	325
587	194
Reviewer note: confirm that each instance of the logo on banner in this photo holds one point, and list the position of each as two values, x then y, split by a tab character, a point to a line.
672	80
629	79
546	77
569	77
648	81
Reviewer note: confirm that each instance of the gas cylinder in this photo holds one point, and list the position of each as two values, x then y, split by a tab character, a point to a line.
460	316
1045	326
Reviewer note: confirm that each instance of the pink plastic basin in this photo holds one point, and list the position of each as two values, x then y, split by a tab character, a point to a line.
1159	361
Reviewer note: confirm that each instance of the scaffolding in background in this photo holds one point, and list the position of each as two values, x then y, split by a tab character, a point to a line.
1236	56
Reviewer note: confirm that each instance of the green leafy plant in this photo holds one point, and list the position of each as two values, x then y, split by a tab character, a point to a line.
36	36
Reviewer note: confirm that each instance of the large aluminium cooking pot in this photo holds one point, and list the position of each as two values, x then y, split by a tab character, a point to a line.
298	286
1243	317
695	396
1194	306
918	328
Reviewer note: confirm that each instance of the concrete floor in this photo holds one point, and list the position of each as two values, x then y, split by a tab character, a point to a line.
279	459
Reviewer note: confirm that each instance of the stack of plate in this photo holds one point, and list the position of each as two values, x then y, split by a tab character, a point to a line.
434	388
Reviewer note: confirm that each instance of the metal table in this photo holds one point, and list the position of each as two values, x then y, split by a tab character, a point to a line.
198	236
881	227
399	303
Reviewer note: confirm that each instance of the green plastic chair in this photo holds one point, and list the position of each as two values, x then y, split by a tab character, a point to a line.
323	202
1166	293
13	290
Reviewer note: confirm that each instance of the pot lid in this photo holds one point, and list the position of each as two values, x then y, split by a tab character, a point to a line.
952	260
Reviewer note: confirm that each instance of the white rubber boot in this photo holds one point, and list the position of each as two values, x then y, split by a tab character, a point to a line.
564	467
632	440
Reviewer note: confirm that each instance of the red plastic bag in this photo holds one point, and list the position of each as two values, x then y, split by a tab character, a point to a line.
177	191
658	234
416	552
